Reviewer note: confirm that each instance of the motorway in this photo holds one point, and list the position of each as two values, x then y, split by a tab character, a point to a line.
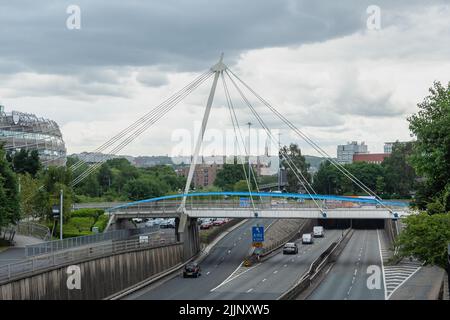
347	278
224	278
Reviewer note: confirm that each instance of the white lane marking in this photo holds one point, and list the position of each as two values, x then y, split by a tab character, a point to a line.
276	271
356	271
285	266
231	277
382	266
249	290
208	272
264	280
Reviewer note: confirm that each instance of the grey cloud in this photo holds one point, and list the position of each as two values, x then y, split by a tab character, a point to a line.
183	35
152	78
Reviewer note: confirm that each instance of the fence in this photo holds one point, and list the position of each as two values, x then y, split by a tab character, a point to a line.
54	259
68	243
34	230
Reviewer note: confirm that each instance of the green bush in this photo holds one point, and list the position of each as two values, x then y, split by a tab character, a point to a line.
80	223
102	222
88	213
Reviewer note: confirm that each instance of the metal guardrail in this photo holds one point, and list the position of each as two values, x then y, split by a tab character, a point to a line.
68	243
171	206
33	229
60	258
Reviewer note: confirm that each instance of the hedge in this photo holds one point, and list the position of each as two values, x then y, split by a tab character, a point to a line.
88	213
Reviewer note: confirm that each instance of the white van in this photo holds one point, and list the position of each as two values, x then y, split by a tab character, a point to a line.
307	238
318	232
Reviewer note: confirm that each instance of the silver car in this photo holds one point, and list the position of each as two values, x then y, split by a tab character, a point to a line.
290	248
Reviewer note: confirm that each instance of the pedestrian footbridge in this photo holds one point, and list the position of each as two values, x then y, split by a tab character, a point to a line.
261	205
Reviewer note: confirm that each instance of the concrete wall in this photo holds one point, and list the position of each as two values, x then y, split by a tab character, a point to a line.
100	277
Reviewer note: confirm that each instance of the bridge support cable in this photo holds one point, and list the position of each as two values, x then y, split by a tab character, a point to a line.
227	92
235	123
145	117
218	68
285	156
155	116
313	144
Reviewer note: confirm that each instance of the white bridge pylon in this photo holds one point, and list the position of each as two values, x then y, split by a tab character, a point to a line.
218	69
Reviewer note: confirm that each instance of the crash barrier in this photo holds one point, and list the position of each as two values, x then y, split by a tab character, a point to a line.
92	273
329	255
68	243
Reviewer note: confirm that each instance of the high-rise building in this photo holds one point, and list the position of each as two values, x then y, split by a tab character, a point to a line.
345	152
26	131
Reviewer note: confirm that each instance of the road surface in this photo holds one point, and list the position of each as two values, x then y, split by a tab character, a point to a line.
347	279
223	278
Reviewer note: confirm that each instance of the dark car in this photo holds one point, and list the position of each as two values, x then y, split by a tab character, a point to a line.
191	270
290	248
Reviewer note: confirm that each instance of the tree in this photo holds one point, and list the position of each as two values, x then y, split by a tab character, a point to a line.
399	175
425	237
25	161
105	176
330	180
29	188
9	193
297	163
431	152
144	188
229	175
241	185
53	180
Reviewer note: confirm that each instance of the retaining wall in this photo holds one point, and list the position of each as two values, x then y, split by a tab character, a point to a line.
100	277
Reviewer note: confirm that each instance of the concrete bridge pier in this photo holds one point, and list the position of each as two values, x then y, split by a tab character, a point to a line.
186	231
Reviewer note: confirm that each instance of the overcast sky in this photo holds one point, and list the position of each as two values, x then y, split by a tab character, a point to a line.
317	62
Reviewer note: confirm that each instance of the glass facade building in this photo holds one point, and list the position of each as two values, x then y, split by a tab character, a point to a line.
20	130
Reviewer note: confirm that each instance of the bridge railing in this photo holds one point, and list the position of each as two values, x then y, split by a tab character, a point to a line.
60	258
68	243
170	206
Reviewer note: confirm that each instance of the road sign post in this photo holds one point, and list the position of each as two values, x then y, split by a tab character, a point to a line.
257	236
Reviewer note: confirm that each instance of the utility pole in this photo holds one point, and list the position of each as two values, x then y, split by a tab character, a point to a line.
249	165
61	214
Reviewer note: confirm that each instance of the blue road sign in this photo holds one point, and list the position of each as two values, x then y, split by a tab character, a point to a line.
258	234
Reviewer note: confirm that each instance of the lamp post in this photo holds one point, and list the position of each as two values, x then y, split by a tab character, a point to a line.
249	166
61	199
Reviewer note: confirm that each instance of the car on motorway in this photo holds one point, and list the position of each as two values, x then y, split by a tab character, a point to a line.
150	223
192	270
290	248
318	232
206	225
218	222
137	220
307	238
167	225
